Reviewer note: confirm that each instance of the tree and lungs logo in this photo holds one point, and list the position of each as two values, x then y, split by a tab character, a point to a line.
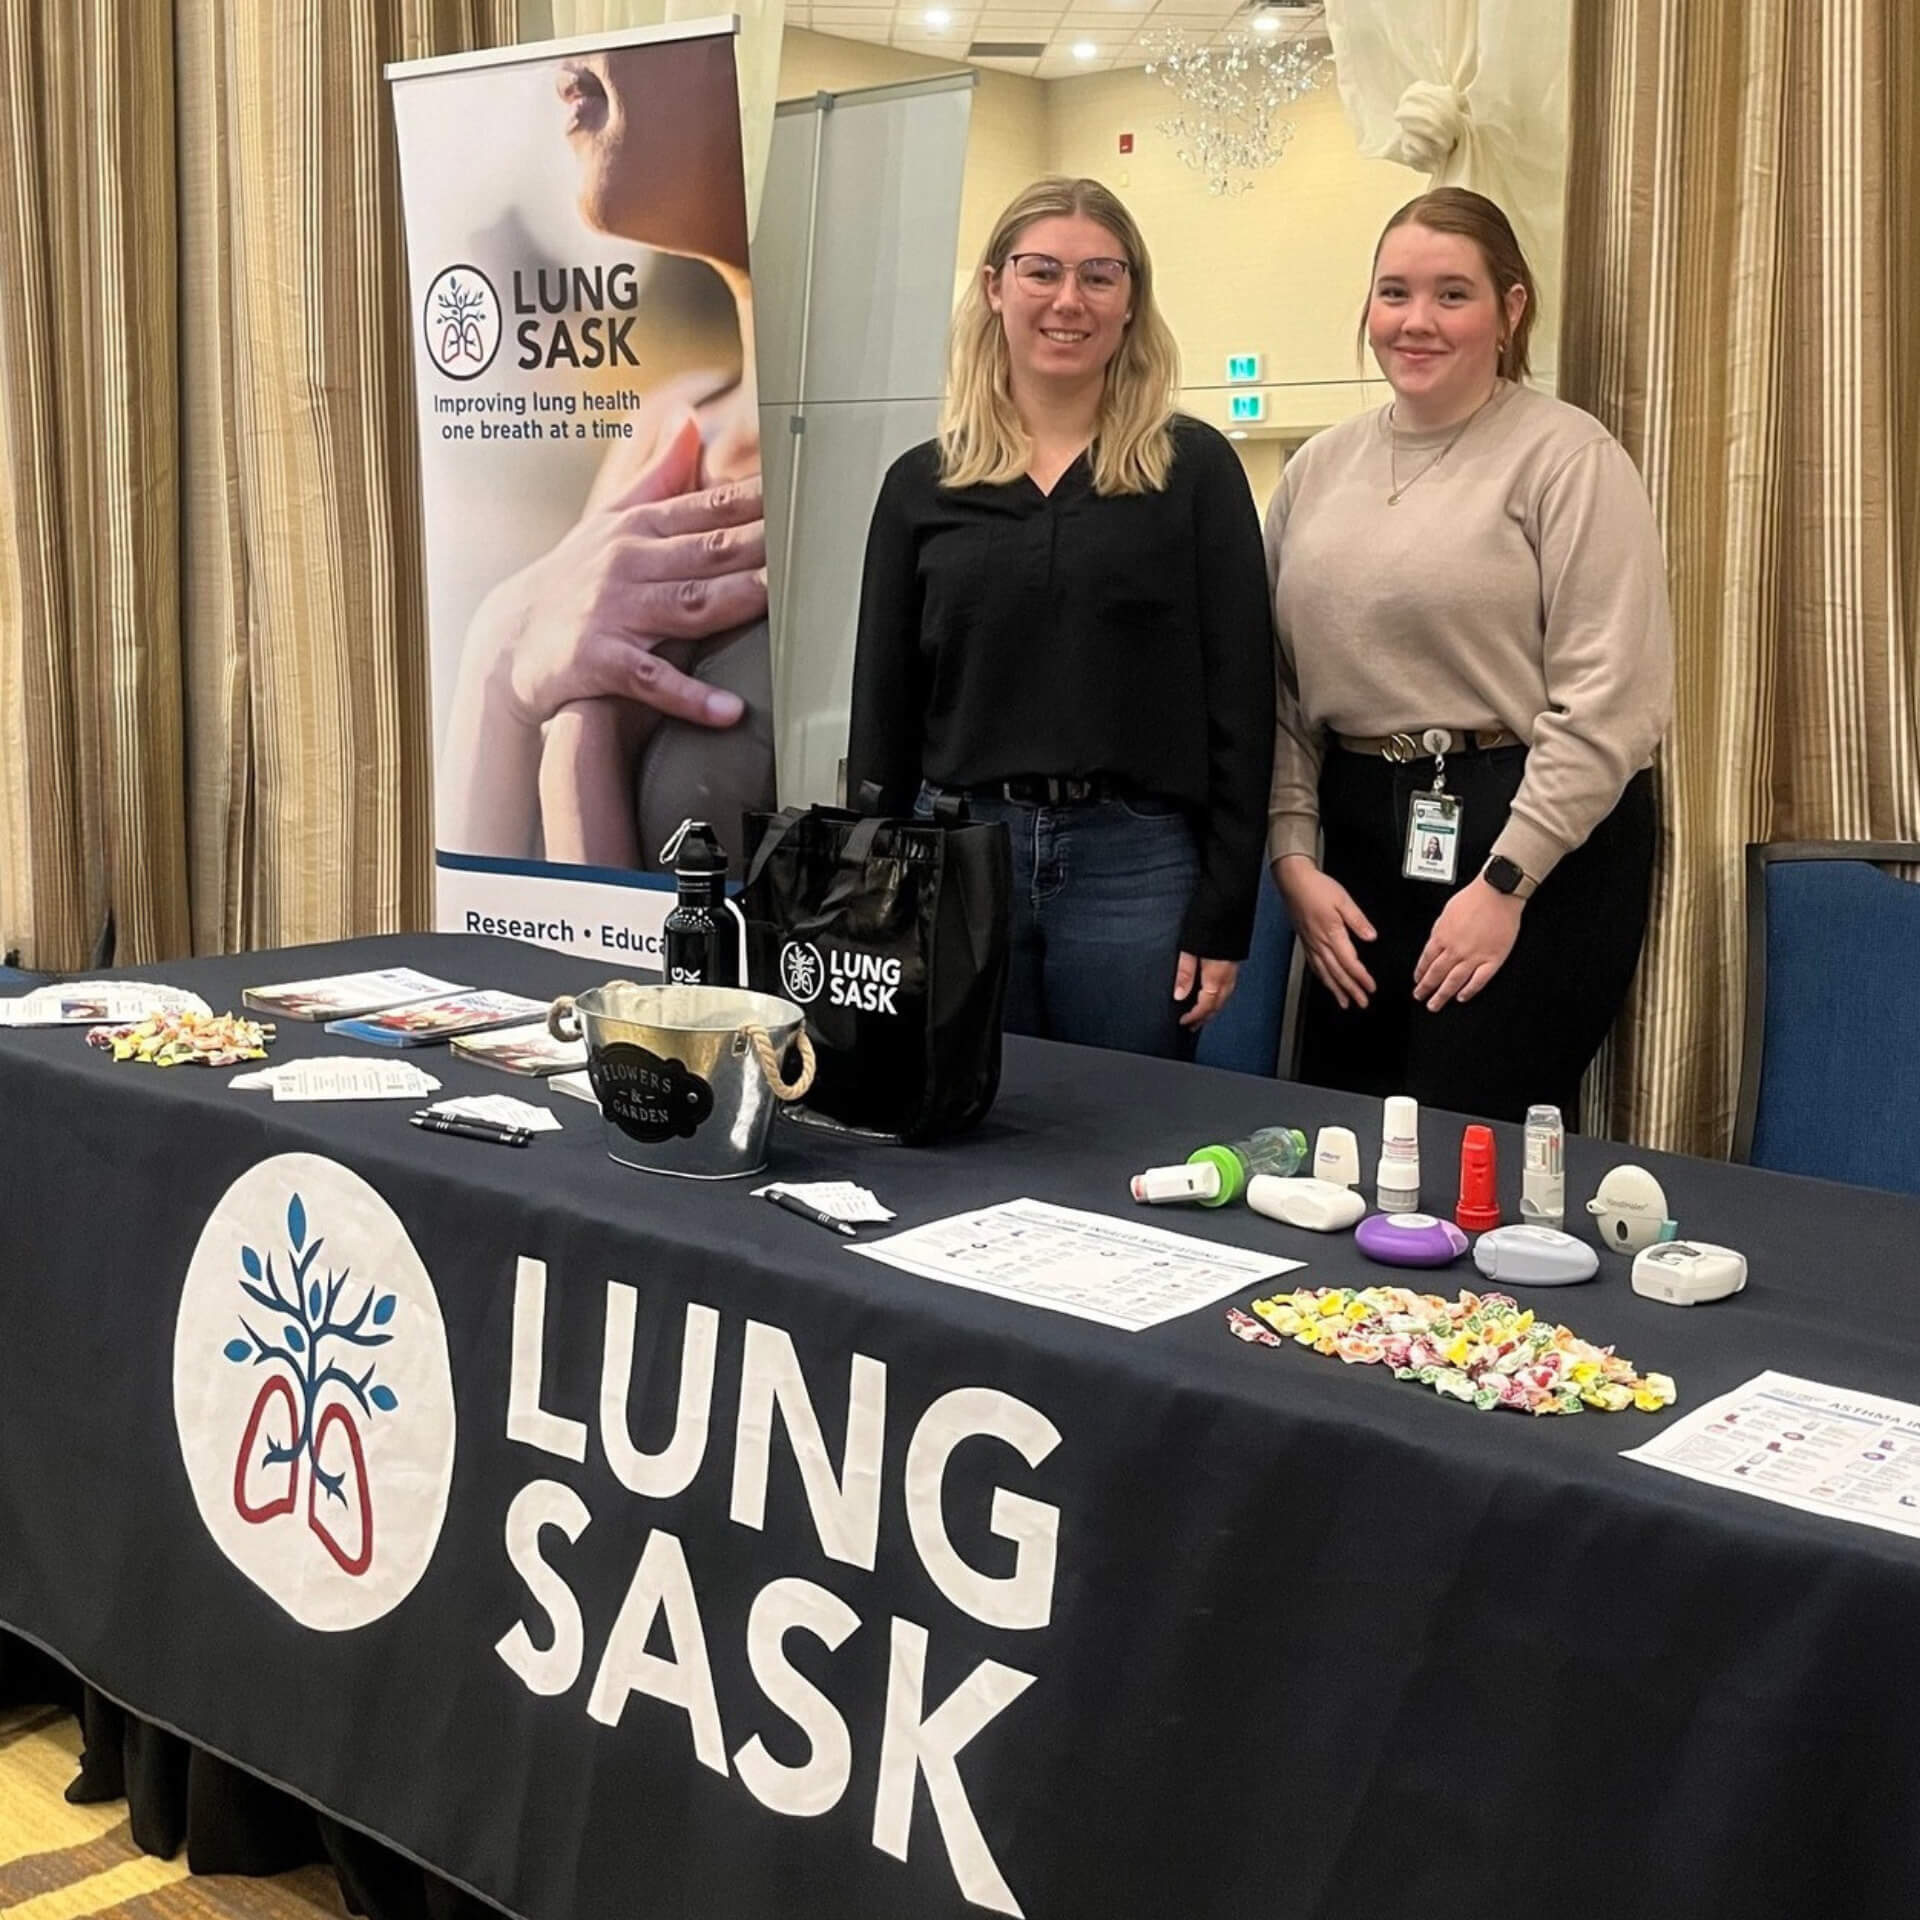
802	972
312	1392
461	317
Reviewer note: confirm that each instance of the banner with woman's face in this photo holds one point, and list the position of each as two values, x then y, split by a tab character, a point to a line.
590	475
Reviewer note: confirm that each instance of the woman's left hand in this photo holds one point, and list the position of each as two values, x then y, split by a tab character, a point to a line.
1468	945
1216	978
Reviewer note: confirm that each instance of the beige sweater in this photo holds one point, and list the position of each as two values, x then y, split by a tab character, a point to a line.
1519	583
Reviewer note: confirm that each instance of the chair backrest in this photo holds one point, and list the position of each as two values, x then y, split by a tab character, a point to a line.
1830	1068
1246	1035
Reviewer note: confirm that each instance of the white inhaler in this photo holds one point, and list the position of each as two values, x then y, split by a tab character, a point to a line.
1543	1186
1398	1188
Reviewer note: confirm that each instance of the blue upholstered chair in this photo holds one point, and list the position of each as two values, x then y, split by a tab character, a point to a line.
1246	1036
1830	1070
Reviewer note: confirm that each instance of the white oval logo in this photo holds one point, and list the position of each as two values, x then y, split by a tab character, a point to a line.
461	316
312	1392
802	972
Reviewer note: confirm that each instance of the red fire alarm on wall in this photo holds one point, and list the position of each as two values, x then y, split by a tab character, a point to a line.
1126	143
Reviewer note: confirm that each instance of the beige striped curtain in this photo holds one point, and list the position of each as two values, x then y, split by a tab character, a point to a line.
1742	306
212	699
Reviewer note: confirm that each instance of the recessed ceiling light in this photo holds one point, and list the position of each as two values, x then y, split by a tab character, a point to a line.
1265	23
1237	433
1084	50
938	17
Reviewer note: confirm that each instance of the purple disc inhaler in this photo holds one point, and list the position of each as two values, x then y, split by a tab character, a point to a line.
1410	1240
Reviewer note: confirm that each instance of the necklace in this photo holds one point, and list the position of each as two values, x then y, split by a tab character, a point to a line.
1395	489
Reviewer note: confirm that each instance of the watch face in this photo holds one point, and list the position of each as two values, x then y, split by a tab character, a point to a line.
1502	875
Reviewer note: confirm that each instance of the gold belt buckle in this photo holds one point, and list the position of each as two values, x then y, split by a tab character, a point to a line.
1400	748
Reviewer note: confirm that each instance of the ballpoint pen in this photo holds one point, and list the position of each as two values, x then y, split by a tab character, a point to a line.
814	1214
472	1129
471	1119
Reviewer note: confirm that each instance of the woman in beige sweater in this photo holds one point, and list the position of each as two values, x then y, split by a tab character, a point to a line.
1475	665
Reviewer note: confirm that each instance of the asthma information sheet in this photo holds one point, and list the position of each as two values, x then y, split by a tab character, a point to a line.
1853	1456
1086	1264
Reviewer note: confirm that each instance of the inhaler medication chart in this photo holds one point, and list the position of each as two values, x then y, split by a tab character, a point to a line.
1086	1264
1853	1456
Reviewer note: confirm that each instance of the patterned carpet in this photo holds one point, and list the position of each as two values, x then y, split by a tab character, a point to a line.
71	1863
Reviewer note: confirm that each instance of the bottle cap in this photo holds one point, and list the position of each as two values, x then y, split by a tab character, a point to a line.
1194	1181
1231	1174
694	850
1401	1121
1336	1156
1479	1208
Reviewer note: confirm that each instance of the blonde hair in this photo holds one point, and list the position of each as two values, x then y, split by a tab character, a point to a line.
982	441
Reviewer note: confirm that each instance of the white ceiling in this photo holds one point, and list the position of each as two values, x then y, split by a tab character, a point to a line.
1112	27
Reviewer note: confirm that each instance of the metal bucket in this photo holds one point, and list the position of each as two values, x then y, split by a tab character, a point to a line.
687	1077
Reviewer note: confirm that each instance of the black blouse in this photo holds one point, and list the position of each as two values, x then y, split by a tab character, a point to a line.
1008	632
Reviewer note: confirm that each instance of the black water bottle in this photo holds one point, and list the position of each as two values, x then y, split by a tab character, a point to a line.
702	944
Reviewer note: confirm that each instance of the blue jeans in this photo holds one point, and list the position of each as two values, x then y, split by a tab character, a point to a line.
1099	892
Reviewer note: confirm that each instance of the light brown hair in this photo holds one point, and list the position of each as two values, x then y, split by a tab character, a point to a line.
1473	217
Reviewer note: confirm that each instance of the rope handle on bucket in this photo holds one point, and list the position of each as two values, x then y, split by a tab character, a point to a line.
777	1085
564	1023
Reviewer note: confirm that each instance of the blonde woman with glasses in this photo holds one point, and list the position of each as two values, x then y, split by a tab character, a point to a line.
1064	619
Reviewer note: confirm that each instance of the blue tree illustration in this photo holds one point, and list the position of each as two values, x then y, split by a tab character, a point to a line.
313	1320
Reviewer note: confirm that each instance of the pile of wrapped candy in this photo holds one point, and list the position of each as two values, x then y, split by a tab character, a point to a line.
186	1039
1480	1348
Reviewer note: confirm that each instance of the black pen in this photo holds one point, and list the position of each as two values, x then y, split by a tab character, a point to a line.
814	1214
471	1120
472	1129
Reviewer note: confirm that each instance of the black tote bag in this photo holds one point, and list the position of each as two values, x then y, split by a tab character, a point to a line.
892	935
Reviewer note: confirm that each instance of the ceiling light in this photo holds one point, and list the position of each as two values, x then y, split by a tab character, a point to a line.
1084	50
1237	433
938	17
1265	23
1232	92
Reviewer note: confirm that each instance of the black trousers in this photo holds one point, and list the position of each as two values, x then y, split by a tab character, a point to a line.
1531	1031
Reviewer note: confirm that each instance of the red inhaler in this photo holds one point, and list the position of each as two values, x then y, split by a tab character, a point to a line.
1479	1208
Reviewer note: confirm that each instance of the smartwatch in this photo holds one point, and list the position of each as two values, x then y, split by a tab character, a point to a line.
1503	876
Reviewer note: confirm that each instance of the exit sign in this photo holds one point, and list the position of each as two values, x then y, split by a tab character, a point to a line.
1247	406
1243	366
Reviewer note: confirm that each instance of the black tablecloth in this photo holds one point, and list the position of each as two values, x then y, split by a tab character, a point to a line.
1316	1643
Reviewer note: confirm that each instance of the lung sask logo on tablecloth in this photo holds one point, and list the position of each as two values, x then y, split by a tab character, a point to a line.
312	1392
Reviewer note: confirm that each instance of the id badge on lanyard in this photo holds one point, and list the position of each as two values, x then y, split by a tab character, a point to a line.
1433	822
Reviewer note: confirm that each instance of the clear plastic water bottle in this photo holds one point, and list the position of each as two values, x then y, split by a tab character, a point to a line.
1276	1150
1543	1185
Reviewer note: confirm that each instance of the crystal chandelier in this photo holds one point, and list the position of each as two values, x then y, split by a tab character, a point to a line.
1230	93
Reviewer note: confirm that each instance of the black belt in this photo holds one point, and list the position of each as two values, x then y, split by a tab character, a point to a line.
1047	790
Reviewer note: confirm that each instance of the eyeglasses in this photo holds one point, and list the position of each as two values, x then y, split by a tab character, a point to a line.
1042	273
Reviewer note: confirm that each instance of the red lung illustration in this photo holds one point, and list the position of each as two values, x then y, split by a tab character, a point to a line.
321	1505
274	1386
288	1426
